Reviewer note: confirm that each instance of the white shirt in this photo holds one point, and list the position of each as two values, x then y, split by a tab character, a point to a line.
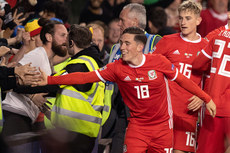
19	103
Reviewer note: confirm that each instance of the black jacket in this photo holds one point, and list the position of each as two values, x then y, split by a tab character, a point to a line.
7	78
92	51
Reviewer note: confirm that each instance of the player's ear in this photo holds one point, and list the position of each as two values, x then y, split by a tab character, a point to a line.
140	47
48	37
70	43
198	21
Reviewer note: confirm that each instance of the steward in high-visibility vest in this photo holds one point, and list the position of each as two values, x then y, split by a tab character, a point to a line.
79	111
78	108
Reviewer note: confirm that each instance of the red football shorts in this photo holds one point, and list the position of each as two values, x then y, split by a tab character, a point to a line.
184	130
214	135
139	139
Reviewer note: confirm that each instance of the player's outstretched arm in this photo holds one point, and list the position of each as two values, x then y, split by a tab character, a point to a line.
69	79
193	88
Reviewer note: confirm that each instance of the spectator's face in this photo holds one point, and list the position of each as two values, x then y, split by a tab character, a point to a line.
219	5
188	22
125	20
130	49
47	15
98	38
59	46
114	32
96	3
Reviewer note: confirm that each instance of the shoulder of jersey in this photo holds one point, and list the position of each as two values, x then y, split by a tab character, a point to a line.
175	35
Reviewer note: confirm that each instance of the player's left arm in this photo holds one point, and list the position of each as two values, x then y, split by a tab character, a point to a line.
193	88
172	73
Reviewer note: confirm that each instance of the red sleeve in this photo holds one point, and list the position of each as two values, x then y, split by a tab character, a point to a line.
191	87
107	73
202	61
74	78
213	33
103	74
166	67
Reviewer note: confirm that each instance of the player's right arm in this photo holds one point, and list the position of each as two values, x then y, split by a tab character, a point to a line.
104	74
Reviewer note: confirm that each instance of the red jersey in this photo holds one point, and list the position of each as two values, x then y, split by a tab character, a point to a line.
181	52
218	50
144	89
215	32
210	21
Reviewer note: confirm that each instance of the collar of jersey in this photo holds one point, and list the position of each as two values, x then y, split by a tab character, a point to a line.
194	41
142	62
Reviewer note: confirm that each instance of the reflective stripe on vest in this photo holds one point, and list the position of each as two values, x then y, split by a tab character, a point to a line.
80	111
107	102
77	115
57	68
77	95
148	45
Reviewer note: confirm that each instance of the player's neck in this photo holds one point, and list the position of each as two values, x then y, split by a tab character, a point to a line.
137	60
192	36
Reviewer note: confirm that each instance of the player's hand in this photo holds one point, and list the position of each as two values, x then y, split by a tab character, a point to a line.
211	107
43	79
195	103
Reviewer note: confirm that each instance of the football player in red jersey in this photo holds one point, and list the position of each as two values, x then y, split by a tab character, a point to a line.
215	32
181	49
144	88
215	132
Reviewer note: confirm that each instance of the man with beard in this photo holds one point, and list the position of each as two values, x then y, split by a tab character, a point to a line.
76	113
21	110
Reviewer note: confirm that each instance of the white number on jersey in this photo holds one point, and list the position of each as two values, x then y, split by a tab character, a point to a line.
225	59
190	139
168	150
186	69
142	91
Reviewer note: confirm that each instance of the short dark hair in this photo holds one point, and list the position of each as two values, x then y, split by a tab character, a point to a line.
81	36
158	17
47	27
58	8
138	32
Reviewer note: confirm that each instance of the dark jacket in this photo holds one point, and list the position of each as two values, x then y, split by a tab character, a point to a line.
92	51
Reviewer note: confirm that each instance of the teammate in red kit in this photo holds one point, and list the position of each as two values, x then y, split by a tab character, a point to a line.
181	49
215	32
216	131
142	80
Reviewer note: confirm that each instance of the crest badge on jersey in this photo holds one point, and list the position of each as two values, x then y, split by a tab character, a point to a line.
152	74
187	55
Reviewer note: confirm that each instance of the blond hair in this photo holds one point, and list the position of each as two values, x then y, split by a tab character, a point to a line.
190	5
